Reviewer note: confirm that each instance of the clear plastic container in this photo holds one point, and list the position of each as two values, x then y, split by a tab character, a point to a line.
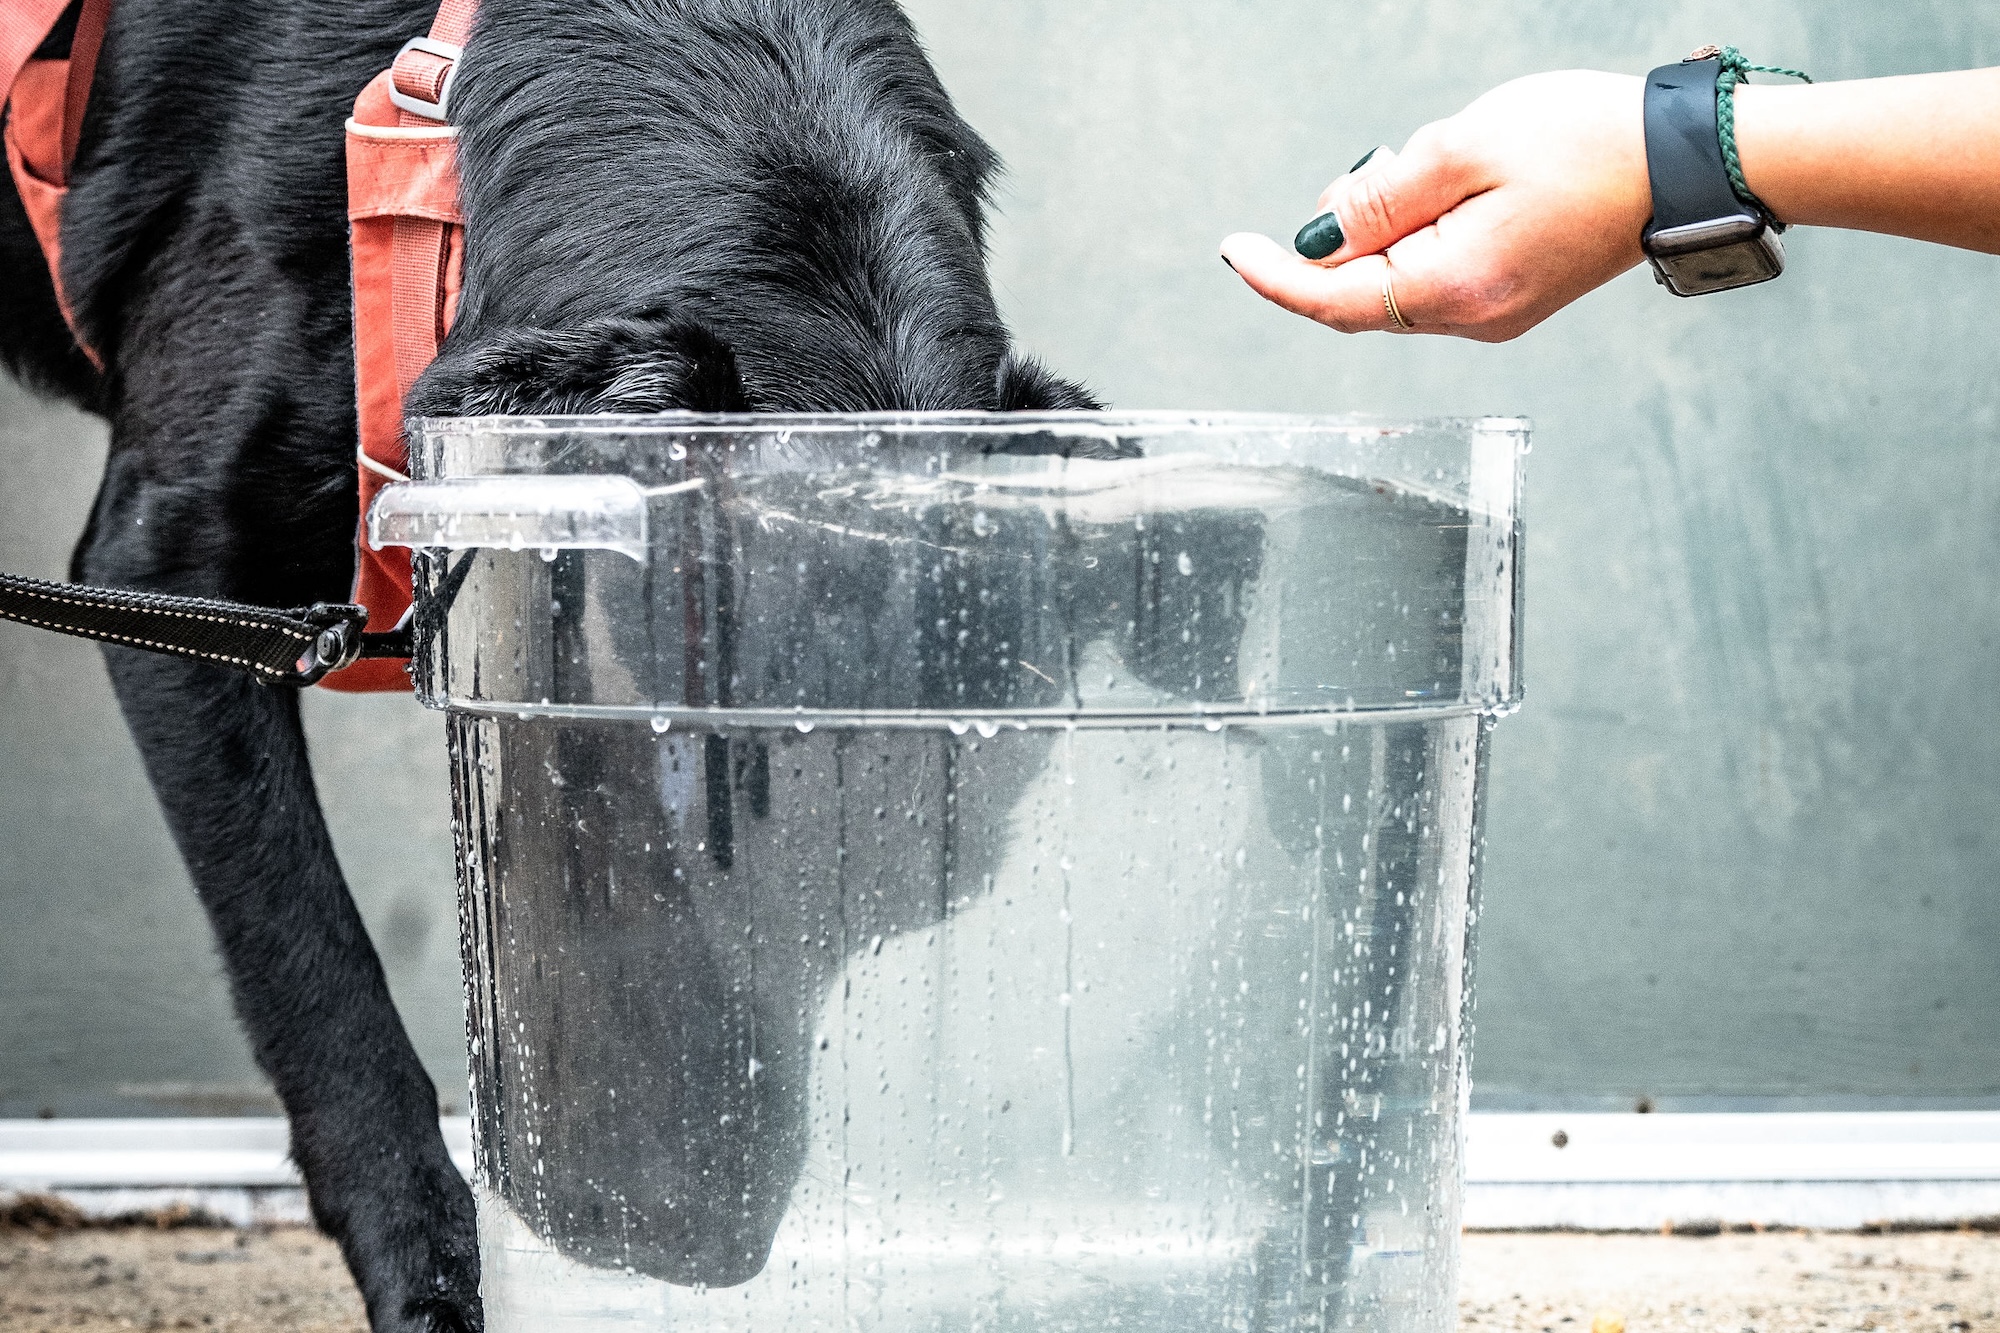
967	873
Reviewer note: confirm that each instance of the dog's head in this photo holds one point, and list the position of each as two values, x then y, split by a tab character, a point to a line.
721	206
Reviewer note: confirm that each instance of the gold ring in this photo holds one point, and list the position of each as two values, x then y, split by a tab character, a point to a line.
1389	303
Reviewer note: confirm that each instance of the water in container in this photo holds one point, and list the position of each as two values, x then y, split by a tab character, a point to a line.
967	873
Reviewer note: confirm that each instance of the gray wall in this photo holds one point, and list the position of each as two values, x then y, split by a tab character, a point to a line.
111	997
1744	836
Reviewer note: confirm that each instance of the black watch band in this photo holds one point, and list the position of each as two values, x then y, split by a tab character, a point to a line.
1702	238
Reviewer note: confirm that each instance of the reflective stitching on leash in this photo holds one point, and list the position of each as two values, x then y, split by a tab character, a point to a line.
130	641
159	611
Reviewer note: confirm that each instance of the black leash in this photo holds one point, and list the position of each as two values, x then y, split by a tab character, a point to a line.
294	647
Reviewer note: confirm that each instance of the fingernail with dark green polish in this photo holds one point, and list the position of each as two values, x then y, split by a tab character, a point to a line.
1320	237
1366	159
1232	266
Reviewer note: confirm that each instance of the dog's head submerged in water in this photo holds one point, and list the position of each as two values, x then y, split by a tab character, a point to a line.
714	205
722	205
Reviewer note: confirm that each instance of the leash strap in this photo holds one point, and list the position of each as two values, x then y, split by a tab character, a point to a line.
294	647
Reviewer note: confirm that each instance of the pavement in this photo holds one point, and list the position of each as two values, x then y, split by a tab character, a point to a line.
56	1277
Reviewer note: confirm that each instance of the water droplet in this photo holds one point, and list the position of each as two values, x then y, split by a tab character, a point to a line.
987	730
548	555
661	722
1185	564
958	726
677	452
804	727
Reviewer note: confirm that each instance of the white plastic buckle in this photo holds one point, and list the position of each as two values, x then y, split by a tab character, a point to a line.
416	106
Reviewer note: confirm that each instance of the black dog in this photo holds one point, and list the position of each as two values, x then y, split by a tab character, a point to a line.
709	204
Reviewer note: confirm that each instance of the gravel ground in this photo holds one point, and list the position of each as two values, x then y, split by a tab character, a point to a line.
66	1281
92	1281
1788	1282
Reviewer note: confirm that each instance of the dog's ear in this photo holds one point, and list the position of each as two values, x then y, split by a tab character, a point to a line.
616	364
1026	385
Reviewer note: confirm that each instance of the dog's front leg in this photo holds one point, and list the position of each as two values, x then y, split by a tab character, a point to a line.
228	760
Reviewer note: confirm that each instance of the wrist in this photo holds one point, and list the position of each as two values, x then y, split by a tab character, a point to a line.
1774	144
1917	156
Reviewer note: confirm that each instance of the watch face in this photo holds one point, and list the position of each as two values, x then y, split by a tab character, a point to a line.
1741	264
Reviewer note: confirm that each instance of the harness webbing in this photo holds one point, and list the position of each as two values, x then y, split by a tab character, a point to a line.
406	234
46	100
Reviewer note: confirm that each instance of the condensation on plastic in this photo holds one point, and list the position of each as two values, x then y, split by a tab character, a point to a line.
945	889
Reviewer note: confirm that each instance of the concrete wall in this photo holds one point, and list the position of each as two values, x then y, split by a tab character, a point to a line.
1745	836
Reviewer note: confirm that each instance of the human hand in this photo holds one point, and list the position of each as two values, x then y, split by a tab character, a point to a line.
1484	225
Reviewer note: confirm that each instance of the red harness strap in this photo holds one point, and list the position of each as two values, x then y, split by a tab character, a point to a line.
45	105
407	239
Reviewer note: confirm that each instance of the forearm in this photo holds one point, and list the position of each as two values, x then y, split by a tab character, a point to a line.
1916	156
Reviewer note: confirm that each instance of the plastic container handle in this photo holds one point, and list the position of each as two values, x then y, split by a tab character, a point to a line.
515	513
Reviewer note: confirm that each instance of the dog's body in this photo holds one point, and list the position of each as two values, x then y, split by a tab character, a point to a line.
710	204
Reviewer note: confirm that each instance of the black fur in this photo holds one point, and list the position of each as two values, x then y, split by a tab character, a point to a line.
713	204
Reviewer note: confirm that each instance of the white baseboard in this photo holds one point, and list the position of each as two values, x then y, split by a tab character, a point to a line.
1588	1172
241	1153
226	1206
1833	1170
1691	1206
1832	1147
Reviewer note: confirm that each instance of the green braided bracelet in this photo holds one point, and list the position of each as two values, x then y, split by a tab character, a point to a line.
1737	69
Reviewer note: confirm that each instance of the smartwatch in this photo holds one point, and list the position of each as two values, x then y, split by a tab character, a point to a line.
1702	238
